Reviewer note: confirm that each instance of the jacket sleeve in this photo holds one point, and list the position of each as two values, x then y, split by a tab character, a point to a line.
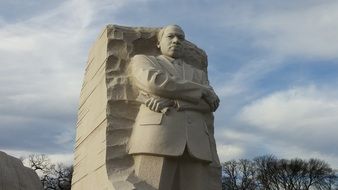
151	78
201	106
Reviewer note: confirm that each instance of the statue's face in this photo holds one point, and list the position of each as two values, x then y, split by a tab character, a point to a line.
171	41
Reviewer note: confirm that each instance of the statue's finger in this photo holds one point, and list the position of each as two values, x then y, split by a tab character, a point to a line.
153	101
147	102
157	108
154	106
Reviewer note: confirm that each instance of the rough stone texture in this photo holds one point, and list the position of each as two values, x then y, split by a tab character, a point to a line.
108	108
15	176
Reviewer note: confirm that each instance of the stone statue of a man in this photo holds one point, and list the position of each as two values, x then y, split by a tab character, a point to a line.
172	140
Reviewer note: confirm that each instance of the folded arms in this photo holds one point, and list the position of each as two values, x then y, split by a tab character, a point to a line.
167	90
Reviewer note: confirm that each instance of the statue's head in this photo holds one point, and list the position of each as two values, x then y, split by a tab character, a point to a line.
170	39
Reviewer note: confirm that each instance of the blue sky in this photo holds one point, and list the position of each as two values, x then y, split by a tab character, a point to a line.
273	64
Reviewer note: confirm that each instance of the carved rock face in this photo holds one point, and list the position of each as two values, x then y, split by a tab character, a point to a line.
15	176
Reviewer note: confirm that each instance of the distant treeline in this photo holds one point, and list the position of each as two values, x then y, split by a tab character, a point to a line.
270	173
261	173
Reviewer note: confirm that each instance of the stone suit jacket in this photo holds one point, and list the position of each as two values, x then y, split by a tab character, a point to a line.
171	132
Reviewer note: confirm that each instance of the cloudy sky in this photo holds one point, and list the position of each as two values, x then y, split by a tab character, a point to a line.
273	64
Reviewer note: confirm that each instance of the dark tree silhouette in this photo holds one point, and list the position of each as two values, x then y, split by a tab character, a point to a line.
53	176
269	173
239	175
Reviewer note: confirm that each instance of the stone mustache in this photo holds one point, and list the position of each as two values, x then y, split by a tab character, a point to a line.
145	119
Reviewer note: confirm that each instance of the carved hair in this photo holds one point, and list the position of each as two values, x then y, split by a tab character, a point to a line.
160	33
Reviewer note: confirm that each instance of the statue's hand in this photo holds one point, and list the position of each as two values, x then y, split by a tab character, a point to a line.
158	104
212	99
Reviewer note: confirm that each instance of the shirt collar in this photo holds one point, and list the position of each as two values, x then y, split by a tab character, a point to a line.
171	60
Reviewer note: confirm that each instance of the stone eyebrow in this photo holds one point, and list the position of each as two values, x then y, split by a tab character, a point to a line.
176	34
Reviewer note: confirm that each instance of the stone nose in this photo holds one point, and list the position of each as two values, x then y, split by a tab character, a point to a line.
176	40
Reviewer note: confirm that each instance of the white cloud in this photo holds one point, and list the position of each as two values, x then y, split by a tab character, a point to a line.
37	53
65	137
43	60
237	136
66	159
308	29
229	152
241	81
277	31
310	32
307	107
17	154
289	151
302	117
62	158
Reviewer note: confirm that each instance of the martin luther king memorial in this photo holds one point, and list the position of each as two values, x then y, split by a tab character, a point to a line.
145	118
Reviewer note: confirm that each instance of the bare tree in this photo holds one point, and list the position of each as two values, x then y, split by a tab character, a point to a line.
266	170
53	176
239	175
59	177
39	162
269	173
320	175
294	174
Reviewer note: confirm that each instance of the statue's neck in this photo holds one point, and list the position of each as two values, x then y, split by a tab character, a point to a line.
171	59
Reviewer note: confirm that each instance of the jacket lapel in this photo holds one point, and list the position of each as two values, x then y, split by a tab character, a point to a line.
167	65
188	72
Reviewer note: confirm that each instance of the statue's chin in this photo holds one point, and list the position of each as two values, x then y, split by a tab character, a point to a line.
175	54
